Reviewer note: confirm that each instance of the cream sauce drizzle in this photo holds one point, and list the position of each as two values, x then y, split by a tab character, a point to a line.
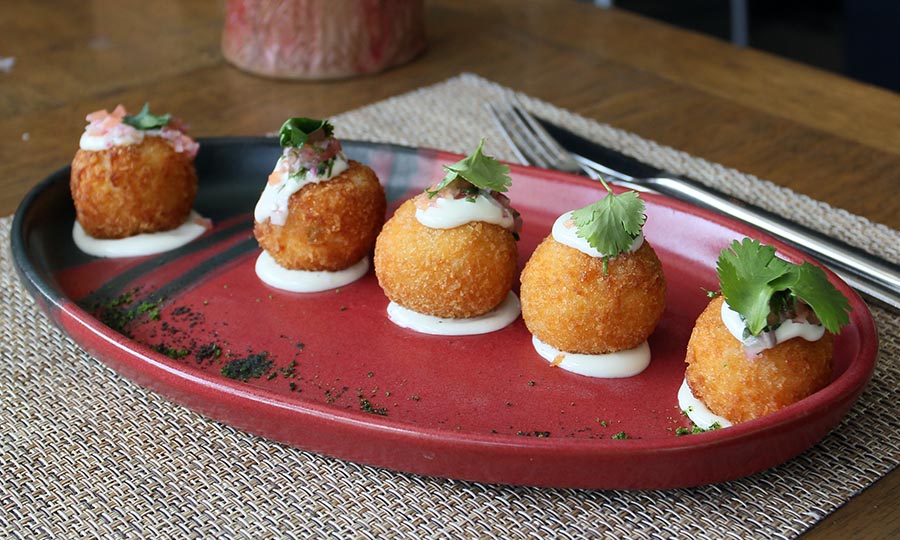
273	202
697	411
617	365
565	232
306	281
124	135
788	329
140	244
120	135
496	319
449	212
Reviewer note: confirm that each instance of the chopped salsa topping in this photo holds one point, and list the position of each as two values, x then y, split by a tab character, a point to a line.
118	128
473	178
310	150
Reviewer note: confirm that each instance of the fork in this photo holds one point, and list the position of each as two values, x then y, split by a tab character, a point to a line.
531	143
875	278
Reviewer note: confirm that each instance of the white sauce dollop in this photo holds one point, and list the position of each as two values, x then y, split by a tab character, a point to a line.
449	213
306	281
139	244
617	365
766	340
273	203
697	411
496	319
118	135
565	232
124	135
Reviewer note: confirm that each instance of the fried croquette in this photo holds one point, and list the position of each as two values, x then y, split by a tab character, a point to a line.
132	189
330	225
569	303
453	273
741	387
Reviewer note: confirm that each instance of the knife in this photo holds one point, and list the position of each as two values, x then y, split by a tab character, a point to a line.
872	276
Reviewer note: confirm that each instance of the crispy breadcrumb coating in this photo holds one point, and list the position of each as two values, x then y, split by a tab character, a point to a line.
741	388
570	304
331	225
138	188
452	273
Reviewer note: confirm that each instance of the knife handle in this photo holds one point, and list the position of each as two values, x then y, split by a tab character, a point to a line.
874	277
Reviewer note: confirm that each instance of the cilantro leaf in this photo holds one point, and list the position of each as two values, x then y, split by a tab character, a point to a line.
830	306
611	224
296	131
756	283
749	274
144	120
483	172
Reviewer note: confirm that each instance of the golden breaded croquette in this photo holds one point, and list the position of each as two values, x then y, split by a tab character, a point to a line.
569	303
741	387
452	273
137	188
330	225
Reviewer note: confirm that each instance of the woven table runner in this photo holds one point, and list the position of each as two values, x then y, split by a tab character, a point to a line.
86	453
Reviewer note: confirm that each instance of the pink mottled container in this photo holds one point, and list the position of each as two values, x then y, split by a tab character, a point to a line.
322	39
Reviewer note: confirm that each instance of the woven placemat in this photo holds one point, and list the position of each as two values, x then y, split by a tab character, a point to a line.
86	453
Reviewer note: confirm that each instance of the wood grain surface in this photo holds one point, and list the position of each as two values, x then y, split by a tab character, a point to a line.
820	134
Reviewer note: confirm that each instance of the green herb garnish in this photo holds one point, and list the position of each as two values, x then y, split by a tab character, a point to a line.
210	351
298	175
150	308
171	352
756	283
118	313
366	406
680	432
250	367
711	294
611	224
483	172
144	120
296	131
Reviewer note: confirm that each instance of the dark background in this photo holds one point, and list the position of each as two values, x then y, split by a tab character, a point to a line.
856	38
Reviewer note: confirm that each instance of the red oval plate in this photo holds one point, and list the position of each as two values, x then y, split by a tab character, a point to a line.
342	380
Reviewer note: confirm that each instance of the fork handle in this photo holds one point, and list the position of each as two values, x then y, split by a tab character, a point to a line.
874	277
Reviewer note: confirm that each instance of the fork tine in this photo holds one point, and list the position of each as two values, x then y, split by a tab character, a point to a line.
548	144
538	139
530	141
507	136
519	137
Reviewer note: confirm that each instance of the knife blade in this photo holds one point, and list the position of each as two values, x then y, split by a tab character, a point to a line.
874	277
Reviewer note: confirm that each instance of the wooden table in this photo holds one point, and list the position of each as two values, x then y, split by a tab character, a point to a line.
820	134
